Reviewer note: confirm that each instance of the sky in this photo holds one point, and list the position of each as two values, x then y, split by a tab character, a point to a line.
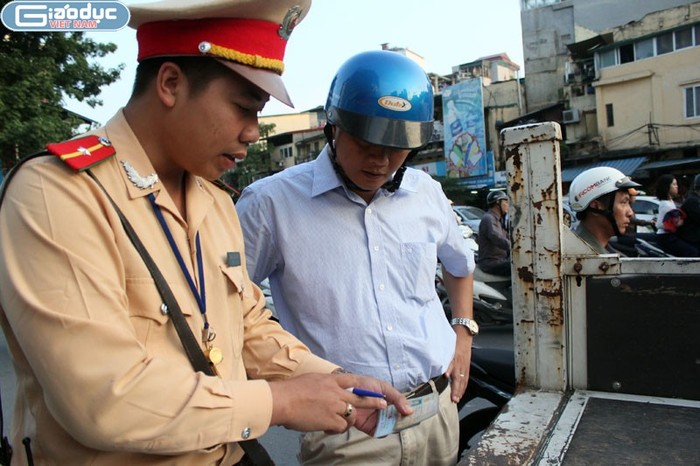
445	33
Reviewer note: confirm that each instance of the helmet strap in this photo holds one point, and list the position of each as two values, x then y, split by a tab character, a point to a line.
328	131
392	185
608	213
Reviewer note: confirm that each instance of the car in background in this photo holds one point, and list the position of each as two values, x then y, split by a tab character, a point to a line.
646	209
470	216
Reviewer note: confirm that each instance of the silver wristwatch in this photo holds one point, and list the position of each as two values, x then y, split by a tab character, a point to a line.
471	325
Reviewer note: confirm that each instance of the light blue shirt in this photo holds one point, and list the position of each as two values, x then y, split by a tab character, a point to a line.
356	282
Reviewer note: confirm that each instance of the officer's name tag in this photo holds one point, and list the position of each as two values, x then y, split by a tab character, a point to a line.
391	421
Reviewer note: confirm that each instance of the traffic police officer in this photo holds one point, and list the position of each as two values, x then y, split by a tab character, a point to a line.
102	374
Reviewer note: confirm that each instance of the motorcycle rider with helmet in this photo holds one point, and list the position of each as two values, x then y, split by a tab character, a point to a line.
601	197
350	243
494	242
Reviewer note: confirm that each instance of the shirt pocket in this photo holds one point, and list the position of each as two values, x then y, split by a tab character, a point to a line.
145	311
419	261
235	277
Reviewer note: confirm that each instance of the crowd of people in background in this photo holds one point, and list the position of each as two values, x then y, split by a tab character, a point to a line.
602	200
676	226
676	237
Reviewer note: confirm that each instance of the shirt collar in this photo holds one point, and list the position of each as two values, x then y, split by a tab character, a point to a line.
129	150
119	133
325	178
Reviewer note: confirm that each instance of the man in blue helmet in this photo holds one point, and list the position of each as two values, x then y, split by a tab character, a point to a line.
350	243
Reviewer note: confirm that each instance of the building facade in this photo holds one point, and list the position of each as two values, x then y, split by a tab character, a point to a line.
624	77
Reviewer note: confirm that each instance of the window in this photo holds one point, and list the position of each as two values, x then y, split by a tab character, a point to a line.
645	207
664	43
697	34
286	152
608	58
644	49
627	53
610	116
684	38
692	102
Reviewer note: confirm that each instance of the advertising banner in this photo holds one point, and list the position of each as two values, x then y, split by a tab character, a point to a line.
465	140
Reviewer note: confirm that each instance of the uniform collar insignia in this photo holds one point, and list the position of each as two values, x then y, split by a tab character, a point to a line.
141	182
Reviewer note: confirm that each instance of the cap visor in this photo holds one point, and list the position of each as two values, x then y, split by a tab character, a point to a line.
268	81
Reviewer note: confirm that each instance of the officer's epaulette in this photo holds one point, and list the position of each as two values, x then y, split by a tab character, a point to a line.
83	153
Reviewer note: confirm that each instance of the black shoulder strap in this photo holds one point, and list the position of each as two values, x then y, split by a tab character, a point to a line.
192	348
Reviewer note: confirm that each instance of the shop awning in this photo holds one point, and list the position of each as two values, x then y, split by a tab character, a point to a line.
627	166
670	163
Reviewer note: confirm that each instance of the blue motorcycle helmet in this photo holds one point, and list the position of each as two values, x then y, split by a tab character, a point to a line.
384	98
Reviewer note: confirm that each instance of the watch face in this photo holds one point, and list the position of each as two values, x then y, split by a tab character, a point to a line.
473	327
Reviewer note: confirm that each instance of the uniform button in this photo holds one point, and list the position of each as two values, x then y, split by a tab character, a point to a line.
246	433
381	287
390	327
369	211
376	248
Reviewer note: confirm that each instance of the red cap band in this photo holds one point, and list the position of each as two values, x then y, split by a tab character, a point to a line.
252	42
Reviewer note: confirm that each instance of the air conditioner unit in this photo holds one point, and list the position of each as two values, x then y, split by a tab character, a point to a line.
570	116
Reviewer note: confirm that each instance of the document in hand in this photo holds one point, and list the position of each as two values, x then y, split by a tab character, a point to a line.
391	421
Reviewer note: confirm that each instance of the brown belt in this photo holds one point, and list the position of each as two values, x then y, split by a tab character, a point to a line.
425	388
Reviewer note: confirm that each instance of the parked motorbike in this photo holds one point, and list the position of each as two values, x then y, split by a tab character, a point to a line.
639	245
492	305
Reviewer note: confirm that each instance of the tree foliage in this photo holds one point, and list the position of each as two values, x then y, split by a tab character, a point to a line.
257	161
39	71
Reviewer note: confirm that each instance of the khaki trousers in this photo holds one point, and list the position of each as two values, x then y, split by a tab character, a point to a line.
433	442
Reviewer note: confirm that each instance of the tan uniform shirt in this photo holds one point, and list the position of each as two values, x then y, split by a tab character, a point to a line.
102	375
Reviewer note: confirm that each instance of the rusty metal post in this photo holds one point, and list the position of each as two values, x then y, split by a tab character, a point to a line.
534	181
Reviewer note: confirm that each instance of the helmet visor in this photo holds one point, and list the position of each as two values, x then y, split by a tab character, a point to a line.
626	182
387	132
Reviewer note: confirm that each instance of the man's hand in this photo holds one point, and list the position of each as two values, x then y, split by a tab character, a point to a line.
313	402
458	371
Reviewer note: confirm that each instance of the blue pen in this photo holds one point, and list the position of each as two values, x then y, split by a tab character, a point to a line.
363	392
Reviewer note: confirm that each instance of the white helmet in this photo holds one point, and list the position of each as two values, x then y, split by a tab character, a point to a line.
593	183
